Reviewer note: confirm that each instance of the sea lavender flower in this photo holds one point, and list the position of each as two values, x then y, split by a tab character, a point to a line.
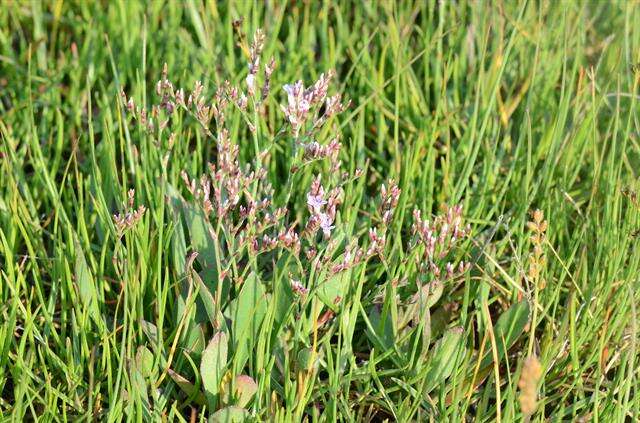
389	197
333	105
297	106
268	71
323	211
326	224
256	50
438	239
315	202
298	288
315	196
315	151
164	89
131	216
290	239
318	91
352	256
376	247
251	83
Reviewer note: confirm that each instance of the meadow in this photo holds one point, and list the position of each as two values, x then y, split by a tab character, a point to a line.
319	211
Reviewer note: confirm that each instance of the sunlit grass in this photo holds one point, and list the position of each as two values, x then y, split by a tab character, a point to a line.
502	108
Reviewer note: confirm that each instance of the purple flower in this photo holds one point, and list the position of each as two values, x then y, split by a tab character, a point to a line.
251	82
315	202
326	224
298	288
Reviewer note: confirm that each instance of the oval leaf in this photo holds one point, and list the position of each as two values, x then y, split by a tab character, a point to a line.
230	415
443	358
246	313
144	361
244	388
86	285
508	329
214	361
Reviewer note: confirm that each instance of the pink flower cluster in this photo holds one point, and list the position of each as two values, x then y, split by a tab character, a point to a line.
130	217
301	101
254	63
315	151
389	196
239	200
222	189
438	239
323	211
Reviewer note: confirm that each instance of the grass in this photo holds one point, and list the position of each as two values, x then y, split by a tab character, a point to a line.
501	107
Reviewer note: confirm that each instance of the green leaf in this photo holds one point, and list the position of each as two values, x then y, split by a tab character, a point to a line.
244	388
307	360
420	303
194	340
145	361
178	240
86	285
200	238
428	295
425	331
139	391
508	329
213	364
229	415
283	295
201	241
443	357
381	332
200	231
246	313
334	287
187	387
150	330
206	298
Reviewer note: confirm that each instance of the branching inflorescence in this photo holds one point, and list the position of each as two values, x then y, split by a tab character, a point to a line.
240	198
254	227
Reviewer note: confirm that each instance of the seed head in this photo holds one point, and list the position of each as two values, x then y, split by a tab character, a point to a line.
528	384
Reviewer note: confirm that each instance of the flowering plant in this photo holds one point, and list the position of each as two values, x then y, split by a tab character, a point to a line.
270	259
